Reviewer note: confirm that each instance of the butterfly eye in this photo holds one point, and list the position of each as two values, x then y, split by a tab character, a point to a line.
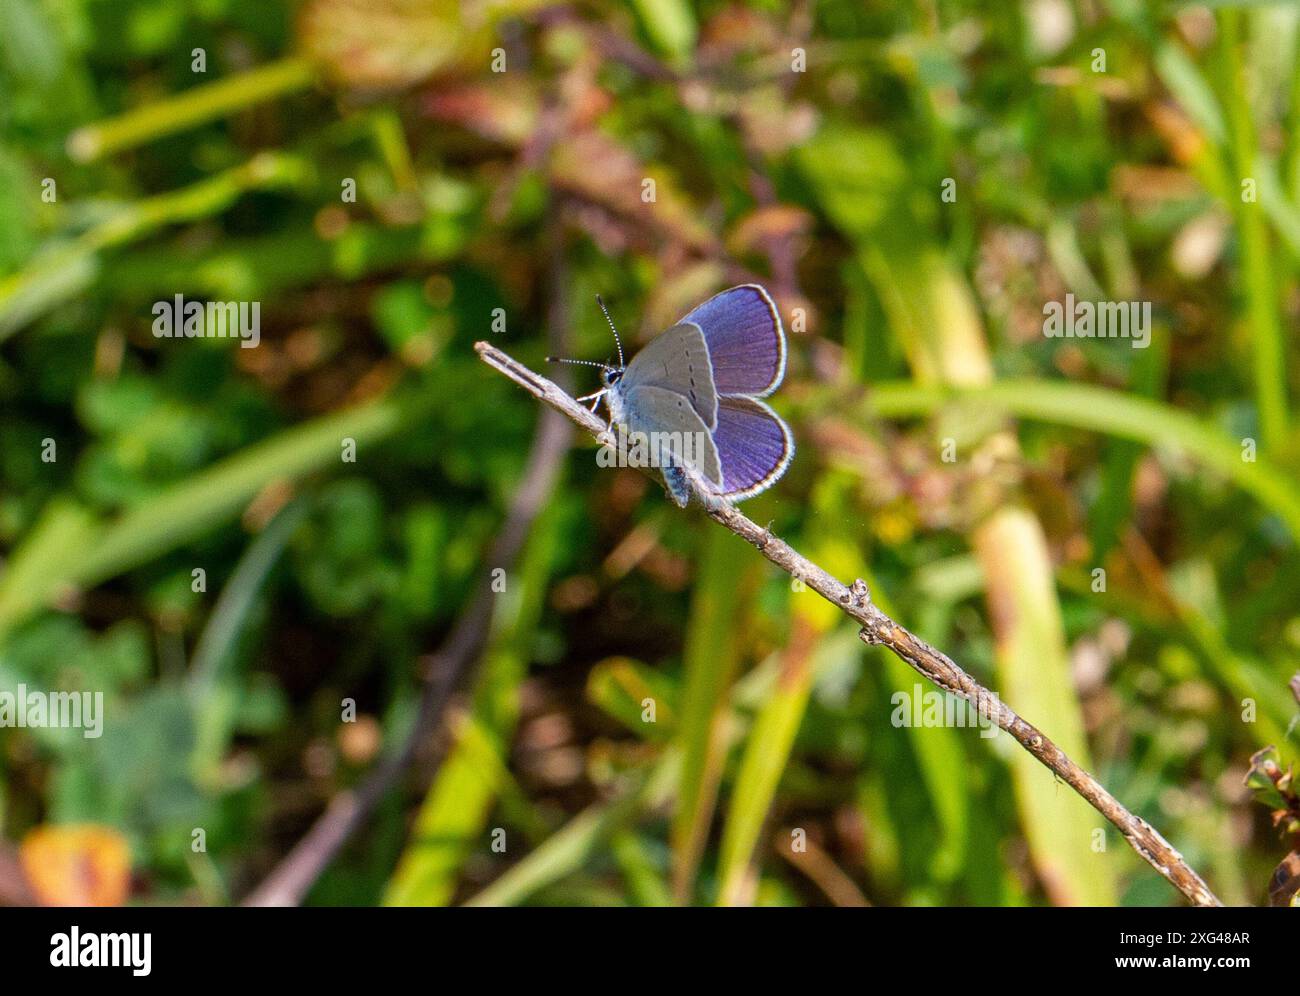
612	377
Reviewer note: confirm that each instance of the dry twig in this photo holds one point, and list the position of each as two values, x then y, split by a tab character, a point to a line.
877	628
295	874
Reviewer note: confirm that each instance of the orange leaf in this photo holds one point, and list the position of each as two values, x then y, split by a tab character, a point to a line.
77	865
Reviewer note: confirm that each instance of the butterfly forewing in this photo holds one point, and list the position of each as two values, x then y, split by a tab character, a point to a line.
742	330
677	360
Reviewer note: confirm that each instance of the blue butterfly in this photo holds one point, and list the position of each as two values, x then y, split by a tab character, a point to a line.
701	381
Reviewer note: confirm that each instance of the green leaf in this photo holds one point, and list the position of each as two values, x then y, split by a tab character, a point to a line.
452	818
710	662
567	849
71	549
1100	409
669	24
1189	87
621	687
1034	679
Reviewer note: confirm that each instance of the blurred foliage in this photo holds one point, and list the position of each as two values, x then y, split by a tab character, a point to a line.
232	545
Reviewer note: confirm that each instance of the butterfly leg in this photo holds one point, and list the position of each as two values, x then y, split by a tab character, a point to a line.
593	398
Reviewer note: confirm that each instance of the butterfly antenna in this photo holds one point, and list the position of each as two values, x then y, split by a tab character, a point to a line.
617	341
584	363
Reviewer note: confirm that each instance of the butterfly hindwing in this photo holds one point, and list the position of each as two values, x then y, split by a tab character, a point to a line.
678	434
754	446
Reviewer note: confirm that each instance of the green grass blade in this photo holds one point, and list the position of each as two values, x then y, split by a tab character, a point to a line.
1034	679
670	24
767	751
568	848
226	621
623	688
205	102
210	678
710	664
1100	409
92	551
455	810
641	873
61	274
772	736
1268	347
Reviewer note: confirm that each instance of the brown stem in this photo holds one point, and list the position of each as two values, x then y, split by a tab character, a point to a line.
291	879
877	628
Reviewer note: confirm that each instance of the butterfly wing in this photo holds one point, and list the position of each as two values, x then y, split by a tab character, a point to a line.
746	344
707	373
754	447
677	360
679	435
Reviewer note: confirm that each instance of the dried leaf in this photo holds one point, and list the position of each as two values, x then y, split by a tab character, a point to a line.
504	111
77	865
390	44
1284	886
598	169
762	227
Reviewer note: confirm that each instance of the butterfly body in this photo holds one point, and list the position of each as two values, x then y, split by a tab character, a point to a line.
694	392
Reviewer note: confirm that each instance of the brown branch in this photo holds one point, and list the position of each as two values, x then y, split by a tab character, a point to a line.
877	628
821	869
291	879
